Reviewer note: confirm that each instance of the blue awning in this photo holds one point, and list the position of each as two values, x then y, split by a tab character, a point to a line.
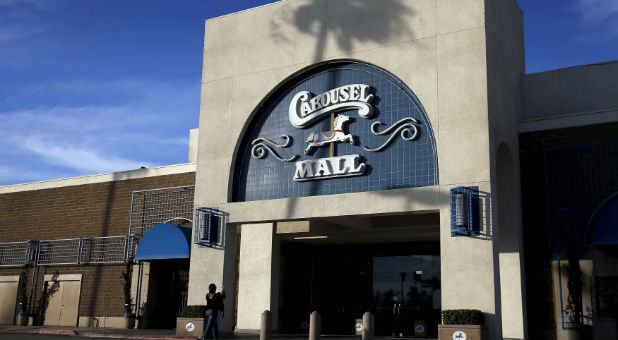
603	229
164	241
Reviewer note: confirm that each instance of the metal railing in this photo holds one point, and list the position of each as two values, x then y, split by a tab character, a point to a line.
62	251
148	208
15	254
109	249
155	206
87	250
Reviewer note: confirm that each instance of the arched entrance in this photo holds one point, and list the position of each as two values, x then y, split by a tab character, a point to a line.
163	274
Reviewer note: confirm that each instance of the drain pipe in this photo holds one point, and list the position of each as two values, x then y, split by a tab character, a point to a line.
138	293
35	260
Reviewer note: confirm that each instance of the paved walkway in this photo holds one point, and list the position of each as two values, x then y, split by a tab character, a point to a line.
117	333
149	334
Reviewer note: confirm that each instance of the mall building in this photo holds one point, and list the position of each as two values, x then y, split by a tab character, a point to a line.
388	156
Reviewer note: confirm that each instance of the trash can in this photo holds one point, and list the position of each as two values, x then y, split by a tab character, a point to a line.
420	328
358	326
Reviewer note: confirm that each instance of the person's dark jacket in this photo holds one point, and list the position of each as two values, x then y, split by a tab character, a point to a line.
215	302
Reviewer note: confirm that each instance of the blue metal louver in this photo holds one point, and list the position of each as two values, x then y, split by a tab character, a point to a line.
210	227
465	214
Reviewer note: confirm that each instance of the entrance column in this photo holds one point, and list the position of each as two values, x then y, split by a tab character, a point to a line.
510	247
258	276
467	267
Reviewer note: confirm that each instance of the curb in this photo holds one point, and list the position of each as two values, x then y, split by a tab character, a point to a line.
57	331
143	337
108	335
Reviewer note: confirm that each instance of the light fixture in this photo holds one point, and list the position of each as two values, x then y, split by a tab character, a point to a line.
310	237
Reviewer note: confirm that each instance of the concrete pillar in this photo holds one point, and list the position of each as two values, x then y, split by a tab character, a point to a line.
315	326
258	276
215	265
510	248
467	265
368	323
266	326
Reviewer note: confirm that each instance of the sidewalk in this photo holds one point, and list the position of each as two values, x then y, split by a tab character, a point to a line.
123	333
115	333
154	334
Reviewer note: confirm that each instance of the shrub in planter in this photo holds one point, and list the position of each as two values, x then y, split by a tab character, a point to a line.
191	321
196	311
462	317
461	323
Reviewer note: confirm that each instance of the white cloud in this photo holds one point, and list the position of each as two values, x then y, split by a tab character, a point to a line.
78	158
23	18
149	128
18	174
595	11
598	20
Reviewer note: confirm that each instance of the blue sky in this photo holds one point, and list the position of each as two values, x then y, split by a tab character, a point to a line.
107	85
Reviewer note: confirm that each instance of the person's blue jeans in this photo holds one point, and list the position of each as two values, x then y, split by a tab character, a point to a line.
210	317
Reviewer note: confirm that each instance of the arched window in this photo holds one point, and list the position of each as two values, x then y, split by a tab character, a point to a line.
395	140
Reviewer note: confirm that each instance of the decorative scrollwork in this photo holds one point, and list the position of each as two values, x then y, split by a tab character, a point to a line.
261	148
406	128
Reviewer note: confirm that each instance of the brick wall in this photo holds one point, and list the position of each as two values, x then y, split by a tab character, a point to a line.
101	291
99	209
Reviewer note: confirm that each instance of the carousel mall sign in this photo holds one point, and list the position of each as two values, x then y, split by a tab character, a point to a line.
322	168
304	110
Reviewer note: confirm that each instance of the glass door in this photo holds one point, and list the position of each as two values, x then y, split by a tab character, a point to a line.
406	291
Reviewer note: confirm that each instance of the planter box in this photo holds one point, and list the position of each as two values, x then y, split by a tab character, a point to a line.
462	332
190	327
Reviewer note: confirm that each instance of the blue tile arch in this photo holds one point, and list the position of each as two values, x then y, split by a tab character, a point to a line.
402	164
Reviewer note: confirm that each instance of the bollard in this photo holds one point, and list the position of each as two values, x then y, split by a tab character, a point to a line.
266	329
367	326
315	326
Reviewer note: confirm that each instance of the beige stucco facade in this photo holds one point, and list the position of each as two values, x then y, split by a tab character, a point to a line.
449	53
492	126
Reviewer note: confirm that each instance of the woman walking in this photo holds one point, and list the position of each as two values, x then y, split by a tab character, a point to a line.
214	306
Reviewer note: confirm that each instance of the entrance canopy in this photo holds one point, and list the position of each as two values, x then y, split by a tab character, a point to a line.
164	241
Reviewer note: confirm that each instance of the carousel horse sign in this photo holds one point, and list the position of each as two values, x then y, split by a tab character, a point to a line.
304	110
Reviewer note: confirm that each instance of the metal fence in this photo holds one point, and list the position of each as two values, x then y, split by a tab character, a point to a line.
152	207
148	208
15	253
89	250
133	240
111	249
63	251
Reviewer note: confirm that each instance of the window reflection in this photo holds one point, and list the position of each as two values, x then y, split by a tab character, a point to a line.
404	288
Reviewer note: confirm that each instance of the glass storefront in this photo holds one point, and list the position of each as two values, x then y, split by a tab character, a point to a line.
406	290
398	282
